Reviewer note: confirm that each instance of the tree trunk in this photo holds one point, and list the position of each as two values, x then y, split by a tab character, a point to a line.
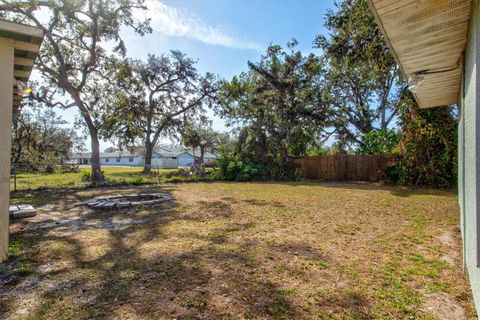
150	143
194	158
284	153
202	154
383	120
97	176
147	166
201	165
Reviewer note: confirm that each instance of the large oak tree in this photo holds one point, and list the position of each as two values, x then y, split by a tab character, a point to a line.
74	51
363	81
277	104
157	97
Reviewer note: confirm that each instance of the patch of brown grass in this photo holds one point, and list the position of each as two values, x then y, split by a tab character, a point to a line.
243	251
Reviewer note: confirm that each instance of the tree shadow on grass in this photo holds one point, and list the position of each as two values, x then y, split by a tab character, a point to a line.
263	203
137	274
399	191
215	209
351	303
39	198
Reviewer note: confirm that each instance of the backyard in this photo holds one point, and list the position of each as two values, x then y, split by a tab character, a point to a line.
113	175
299	250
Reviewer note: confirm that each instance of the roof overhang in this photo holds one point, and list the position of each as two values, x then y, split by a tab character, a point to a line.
427	38
27	41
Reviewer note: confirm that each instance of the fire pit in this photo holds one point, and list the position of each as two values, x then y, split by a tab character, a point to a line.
125	201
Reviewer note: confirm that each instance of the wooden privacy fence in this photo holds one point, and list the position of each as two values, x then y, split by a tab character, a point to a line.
345	167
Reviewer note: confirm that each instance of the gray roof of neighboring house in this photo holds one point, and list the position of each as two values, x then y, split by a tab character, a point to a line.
173	150
179	151
115	154
207	155
77	155
163	152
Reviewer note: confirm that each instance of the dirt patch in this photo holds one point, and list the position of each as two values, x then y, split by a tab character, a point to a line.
447	237
449	259
449	240
443	306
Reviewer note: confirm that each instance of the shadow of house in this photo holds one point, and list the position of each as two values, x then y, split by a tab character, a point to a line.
400	191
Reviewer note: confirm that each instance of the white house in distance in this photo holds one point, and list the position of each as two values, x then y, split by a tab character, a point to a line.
115	158
165	158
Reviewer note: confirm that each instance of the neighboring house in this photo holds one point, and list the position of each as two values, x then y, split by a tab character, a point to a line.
161	159
164	159
19	45
437	45
167	158
185	157
117	158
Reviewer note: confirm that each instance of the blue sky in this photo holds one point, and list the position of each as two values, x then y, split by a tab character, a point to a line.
224	34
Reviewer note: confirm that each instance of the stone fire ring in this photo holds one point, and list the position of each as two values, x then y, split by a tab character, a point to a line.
125	201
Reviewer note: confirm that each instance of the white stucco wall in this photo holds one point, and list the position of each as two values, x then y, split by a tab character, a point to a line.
6	103
469	154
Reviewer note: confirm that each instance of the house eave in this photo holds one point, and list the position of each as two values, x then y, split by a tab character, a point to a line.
26	42
427	39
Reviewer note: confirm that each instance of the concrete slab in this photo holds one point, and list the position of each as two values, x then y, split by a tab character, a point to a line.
22	211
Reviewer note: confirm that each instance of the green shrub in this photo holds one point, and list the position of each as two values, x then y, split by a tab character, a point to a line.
86	176
427	151
138	181
50	168
392	174
68	168
233	168
214	175
379	142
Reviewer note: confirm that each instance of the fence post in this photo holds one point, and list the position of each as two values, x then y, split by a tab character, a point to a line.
345	167
305	167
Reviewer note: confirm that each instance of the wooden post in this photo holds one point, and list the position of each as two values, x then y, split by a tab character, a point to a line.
6	103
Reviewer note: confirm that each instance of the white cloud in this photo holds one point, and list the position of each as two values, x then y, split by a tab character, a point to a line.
175	22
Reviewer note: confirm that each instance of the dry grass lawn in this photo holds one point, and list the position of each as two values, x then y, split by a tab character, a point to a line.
113	175
241	251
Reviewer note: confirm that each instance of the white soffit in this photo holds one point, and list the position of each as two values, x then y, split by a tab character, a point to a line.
27	41
427	38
